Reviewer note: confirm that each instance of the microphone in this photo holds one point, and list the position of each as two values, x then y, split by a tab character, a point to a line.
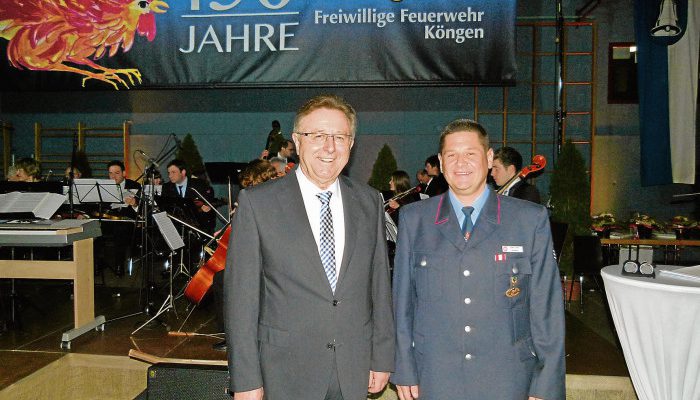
148	159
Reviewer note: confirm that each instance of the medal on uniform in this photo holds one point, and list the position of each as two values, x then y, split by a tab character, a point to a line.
513	290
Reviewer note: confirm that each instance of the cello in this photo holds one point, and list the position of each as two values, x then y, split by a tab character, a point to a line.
538	163
202	280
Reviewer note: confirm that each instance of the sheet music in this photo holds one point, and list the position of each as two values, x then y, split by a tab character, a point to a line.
168	230
42	205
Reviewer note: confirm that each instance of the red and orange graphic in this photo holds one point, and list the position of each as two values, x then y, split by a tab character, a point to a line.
70	35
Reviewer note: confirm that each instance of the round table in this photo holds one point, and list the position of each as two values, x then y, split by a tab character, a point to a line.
658	323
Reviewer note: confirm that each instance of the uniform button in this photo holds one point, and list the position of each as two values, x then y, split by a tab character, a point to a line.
423	263
467	328
466	272
515	270
335	303
468	357
467	300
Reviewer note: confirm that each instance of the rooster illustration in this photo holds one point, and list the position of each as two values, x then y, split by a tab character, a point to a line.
63	35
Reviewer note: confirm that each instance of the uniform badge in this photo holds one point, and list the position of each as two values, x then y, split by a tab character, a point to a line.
513	290
500	257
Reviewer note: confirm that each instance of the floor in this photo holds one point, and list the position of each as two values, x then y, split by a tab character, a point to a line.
30	347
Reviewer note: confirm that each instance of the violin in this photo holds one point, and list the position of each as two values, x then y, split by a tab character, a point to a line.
202	280
538	163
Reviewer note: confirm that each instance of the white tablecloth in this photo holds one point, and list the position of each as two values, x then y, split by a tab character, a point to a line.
658	323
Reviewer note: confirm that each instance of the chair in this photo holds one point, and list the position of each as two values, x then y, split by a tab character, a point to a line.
588	260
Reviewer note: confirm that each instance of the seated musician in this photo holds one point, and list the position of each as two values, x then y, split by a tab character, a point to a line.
256	172
180	185
26	170
114	247
507	162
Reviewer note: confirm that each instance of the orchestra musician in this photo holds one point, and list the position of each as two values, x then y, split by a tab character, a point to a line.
25	170
188	187
400	186
507	162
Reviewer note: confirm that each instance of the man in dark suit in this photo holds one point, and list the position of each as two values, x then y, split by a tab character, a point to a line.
114	248
437	184
187	187
477	296
507	162
308	311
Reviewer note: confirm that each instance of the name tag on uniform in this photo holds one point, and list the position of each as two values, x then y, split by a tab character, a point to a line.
512	249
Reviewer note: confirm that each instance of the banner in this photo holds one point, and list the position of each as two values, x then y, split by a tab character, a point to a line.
210	43
667	33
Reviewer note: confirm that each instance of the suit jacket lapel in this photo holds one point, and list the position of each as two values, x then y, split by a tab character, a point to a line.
446	222
351	216
303	236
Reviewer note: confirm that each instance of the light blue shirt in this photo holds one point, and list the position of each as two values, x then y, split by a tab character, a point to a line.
478	205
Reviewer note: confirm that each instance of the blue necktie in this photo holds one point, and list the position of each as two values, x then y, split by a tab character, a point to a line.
327	242
467	225
179	189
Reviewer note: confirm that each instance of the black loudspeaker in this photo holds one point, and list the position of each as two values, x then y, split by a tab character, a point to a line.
178	381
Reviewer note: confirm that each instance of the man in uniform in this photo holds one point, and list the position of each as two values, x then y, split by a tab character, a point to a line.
477	297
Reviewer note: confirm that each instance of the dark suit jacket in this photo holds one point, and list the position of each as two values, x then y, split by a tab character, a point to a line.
207	221
437	186
459	335
525	191
284	325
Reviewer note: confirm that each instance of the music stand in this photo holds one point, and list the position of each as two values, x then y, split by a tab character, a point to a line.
225	173
175	242
88	190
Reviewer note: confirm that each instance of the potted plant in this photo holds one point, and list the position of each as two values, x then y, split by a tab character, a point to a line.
384	166
682	226
602	224
643	225
570	200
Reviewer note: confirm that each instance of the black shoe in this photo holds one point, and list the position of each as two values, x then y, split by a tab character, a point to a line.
220	346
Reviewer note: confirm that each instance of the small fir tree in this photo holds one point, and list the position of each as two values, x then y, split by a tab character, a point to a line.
382	169
571	200
189	153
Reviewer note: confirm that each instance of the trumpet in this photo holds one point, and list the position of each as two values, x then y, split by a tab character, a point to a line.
399	196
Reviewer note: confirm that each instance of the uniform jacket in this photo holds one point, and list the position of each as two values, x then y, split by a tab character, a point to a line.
283	322
459	336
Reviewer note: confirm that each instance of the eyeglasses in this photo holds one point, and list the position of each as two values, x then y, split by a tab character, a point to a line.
320	137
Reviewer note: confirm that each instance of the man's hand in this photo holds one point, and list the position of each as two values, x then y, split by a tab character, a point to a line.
131	200
407	392
255	394
377	381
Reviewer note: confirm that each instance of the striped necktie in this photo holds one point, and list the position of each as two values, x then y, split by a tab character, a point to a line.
327	242
467	225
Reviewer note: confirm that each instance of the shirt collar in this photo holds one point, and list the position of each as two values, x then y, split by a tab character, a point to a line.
478	205
309	187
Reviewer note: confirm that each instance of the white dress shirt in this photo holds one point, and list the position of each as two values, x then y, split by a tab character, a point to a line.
313	213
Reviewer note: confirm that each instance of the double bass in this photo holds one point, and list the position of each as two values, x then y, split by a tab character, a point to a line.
538	163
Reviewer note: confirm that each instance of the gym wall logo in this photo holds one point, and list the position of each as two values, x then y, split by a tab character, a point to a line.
71	35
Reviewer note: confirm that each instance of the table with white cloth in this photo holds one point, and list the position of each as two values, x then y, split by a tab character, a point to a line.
658	323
